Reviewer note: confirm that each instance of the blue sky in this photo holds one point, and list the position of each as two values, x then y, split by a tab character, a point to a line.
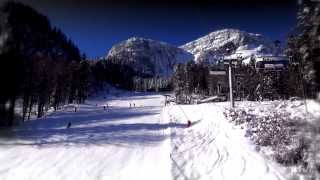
96	25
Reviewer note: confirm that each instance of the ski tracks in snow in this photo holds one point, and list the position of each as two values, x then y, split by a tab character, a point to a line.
121	142
133	143
212	149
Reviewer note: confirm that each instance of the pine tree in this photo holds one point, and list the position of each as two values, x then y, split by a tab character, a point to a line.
37	58
304	48
179	82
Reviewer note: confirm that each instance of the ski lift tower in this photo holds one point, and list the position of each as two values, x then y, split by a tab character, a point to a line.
231	62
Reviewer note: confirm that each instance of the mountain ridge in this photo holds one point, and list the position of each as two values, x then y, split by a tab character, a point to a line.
149	56
157	58
213	46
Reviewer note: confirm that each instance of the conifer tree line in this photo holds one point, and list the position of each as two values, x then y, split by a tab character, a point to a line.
189	79
304	49
249	82
259	84
156	84
39	65
193	79
117	72
112	72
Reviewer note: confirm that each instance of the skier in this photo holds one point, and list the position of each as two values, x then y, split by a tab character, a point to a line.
189	123
69	125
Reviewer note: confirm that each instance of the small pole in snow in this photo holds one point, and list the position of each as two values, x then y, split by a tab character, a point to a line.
230	84
229	64
165	101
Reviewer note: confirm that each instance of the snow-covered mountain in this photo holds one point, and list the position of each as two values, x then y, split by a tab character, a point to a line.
149	56
214	46
156	58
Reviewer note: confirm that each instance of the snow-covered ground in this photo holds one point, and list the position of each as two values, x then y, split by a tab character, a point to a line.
144	141
212	149
286	131
118	143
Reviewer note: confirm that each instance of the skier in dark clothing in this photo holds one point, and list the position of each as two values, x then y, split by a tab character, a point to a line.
69	125
189	123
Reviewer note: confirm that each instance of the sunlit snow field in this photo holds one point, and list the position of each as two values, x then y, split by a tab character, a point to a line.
135	137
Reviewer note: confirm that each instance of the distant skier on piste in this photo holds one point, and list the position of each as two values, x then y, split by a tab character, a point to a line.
189	123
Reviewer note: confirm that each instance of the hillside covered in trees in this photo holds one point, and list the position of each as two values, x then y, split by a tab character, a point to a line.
39	64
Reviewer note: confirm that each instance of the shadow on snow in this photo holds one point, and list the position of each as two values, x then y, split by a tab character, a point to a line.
92	126
116	134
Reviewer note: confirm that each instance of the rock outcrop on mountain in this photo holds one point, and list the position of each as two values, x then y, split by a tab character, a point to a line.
148	56
229	42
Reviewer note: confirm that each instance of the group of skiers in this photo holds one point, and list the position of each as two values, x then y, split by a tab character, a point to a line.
106	106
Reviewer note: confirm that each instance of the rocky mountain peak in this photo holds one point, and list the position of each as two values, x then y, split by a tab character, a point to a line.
214	46
149	56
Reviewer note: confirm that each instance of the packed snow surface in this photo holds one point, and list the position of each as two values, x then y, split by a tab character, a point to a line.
213	149
135	137
117	143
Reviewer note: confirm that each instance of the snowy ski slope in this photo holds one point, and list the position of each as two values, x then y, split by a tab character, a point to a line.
213	149
145	141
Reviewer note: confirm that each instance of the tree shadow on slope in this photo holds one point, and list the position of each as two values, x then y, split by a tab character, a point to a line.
113	134
92	126
61	119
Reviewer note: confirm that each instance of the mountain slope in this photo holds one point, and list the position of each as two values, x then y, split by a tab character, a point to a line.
214	46
24	29
148	56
